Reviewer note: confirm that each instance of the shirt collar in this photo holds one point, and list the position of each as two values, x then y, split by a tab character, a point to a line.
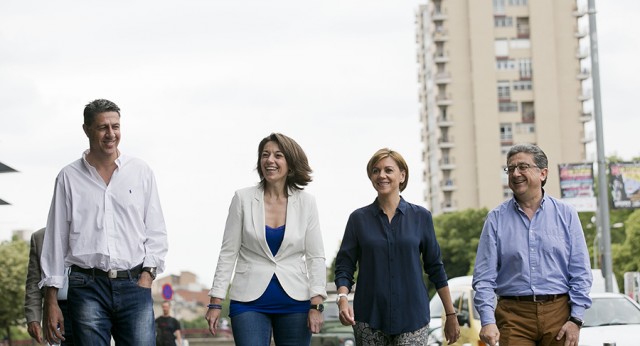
516	205
118	161
402	206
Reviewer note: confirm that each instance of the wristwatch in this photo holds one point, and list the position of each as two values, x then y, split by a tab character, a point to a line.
319	307
340	295
577	321
151	271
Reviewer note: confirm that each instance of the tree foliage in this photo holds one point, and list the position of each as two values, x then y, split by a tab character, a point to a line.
14	257
458	235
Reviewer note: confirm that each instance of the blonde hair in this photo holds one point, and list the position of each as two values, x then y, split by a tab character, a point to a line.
384	153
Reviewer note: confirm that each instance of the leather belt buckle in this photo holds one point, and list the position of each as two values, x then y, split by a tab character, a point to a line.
112	274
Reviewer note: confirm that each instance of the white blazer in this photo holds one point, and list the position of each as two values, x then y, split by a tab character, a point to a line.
299	264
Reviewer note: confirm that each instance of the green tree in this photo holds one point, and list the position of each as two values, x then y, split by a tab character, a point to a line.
458	235
626	256
14	257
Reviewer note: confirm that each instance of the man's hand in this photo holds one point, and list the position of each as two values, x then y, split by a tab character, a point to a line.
315	321
490	334
145	280
53	322
571	331
35	330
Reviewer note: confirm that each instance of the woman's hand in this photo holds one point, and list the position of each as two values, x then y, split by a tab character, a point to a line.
213	316
451	329
346	313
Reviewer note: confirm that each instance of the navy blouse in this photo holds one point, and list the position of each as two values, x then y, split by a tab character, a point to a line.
391	295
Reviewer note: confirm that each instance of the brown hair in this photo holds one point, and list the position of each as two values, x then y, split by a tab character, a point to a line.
299	171
384	153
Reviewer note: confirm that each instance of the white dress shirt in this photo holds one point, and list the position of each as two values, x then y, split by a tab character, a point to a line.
95	225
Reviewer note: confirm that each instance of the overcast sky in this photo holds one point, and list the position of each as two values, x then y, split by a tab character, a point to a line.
201	82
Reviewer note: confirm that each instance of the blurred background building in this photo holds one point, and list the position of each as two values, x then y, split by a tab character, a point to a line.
493	73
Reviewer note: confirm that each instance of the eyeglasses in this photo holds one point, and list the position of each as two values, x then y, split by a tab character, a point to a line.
522	167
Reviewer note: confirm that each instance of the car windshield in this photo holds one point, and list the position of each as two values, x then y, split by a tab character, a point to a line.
606	311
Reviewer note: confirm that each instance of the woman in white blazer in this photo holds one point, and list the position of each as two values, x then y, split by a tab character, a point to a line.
272	248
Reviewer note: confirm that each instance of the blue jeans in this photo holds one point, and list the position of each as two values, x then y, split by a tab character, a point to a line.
68	331
101	307
254	329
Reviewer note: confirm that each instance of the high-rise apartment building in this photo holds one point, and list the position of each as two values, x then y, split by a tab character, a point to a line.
493	73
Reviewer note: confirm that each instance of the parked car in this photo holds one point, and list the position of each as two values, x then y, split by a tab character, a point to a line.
457	286
333	333
613	317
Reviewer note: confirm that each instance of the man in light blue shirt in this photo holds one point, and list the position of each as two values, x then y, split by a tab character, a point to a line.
533	256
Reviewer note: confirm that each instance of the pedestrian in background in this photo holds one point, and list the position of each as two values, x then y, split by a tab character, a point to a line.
533	256
106	224
167	328
272	245
387	242
34	295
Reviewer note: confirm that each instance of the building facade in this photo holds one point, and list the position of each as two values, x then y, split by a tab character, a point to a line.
493	73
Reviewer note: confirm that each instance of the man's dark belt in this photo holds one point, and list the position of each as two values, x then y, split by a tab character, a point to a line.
535	298
111	274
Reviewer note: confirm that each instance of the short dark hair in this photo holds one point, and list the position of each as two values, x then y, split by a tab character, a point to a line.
384	153
539	157
96	107
299	174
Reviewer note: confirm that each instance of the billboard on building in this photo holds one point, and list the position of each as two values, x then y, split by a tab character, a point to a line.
576	185
624	182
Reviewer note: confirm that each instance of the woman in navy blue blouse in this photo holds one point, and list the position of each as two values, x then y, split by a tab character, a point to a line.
386	242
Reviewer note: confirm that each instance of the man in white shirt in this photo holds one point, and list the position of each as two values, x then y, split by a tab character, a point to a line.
106	224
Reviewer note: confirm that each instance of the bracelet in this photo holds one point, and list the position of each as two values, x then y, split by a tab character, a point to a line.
215	306
450	314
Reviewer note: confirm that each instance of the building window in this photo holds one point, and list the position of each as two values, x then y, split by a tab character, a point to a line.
507	193
502	47
507	106
502	21
522	27
528	112
522	128
498	6
506	133
518	3
522	85
505	64
520	43
524	65
504	91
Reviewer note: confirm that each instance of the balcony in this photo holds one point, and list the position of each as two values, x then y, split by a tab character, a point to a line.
585	117
579	12
442	78
444	99
583	74
449	206
445	142
439	14
447	163
440	34
444	121
585	96
448	185
441	56
588	138
582	53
